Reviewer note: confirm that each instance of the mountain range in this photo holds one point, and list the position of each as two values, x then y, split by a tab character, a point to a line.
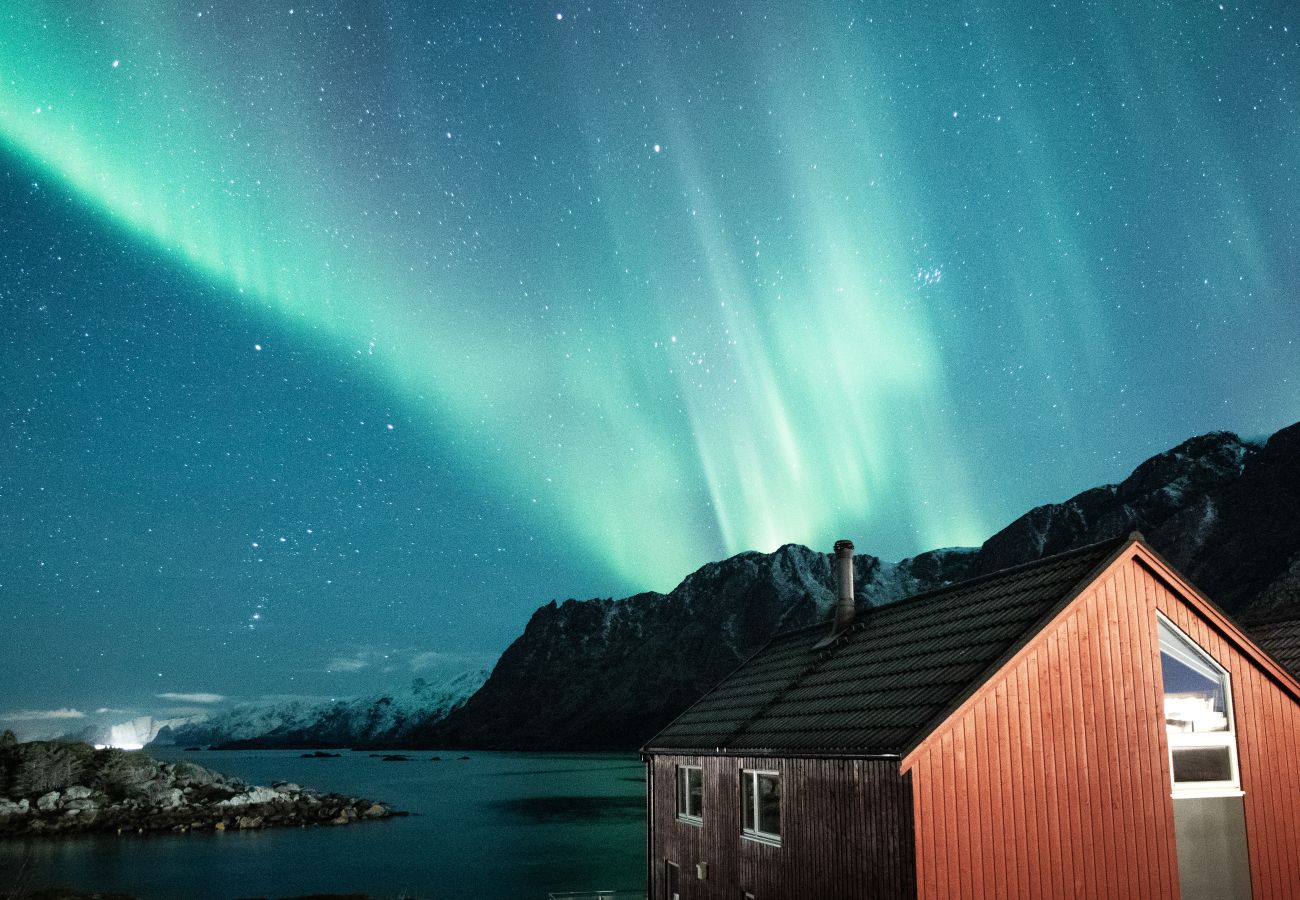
608	674
375	719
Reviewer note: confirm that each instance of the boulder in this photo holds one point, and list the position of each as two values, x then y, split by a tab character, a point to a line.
77	792
163	796
252	796
9	808
48	802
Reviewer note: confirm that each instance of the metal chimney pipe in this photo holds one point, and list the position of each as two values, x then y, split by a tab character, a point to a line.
845	608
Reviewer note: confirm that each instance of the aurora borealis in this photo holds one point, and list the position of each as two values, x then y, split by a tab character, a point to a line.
340	336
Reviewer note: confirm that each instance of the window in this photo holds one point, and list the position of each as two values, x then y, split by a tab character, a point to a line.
673	888
1198	718
761	813
690	794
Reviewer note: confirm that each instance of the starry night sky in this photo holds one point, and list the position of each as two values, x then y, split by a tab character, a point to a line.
338	336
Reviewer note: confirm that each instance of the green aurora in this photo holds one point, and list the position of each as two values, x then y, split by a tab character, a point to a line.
524	301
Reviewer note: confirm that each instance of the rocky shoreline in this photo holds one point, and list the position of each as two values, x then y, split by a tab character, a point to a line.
52	788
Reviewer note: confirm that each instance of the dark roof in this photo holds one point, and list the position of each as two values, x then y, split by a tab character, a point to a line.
1281	640
882	684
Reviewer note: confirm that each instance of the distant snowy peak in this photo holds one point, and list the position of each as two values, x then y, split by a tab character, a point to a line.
354	722
132	734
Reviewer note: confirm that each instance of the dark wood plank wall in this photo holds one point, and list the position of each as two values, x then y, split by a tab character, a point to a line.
1051	781
846	832
1267	720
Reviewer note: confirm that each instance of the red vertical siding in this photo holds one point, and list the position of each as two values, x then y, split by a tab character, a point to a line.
1052	780
1074	800
846	832
1267	720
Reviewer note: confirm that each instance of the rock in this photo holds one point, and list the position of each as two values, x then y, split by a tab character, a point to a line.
252	796
128	793
395	757
189	775
159	794
9	808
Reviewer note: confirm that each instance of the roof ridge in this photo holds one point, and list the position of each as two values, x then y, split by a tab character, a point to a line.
964	583
1008	571
1018	596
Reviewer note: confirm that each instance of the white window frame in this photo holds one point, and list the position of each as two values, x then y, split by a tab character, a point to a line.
682	793
755	833
1202	740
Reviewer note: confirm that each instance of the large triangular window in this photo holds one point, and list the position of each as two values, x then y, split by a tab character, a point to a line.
1198	718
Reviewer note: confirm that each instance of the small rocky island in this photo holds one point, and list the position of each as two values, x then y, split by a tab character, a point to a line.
68	787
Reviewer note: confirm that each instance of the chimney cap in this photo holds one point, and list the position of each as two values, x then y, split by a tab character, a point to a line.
843	545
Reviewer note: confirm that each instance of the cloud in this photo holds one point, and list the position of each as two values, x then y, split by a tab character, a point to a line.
110	711
191	698
406	659
450	662
427	660
42	715
354	663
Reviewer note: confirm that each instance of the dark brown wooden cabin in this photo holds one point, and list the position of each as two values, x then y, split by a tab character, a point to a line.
1085	726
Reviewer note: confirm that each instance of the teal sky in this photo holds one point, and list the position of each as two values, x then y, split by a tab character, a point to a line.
340	336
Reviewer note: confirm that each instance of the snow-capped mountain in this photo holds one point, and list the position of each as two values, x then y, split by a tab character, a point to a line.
375	719
596	674
129	735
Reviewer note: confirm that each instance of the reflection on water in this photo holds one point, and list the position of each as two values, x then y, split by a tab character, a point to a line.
557	823
547	810
584	769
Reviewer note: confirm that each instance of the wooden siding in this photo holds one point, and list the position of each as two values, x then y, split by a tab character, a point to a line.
1267	720
846	832
1052	781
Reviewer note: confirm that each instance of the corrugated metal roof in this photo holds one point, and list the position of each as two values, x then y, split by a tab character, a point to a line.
1281	640
886	677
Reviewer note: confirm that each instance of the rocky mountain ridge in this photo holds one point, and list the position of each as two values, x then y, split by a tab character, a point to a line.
608	674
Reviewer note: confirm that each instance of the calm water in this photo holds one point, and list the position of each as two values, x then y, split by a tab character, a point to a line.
498	825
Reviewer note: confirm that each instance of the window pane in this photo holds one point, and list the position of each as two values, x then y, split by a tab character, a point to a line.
769	804
681	791
1195	688
747	795
694	792
1194	764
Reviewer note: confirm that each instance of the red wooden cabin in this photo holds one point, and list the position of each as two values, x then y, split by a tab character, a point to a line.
1084	726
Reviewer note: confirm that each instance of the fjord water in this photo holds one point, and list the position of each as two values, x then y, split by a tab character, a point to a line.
494	826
